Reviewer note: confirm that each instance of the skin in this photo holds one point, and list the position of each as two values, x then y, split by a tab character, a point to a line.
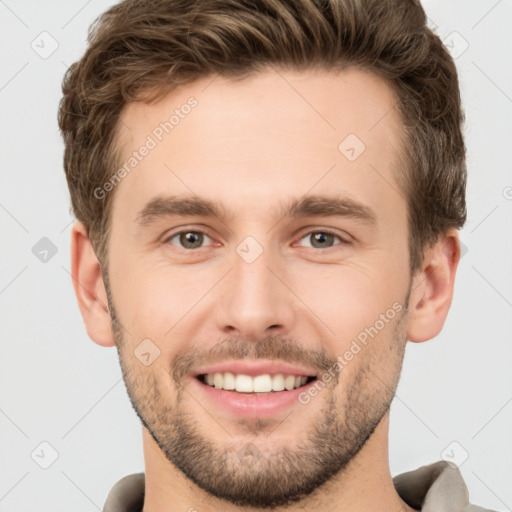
250	145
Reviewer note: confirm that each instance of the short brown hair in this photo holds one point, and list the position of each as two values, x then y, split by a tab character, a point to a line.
139	50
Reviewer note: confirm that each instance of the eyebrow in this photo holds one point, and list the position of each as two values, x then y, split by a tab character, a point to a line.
309	206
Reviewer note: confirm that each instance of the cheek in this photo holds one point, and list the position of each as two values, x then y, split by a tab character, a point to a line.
348	297
155	301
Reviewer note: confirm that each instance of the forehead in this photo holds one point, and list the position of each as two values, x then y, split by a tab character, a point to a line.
274	134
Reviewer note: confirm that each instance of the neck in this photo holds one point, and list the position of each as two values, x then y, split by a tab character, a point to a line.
365	484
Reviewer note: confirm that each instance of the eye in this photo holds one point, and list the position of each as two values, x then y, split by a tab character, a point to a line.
321	239
188	239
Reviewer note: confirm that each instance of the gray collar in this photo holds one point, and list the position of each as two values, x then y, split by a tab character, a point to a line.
437	487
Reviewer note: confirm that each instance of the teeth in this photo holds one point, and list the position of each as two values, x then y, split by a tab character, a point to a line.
243	383
259	384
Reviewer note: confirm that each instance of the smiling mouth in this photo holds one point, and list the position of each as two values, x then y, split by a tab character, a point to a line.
260	385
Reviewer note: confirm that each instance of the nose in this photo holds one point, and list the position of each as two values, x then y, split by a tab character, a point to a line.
254	300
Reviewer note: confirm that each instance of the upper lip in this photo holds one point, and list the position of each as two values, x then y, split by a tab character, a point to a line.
255	368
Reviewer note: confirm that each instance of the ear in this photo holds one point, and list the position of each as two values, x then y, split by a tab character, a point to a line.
89	287
432	288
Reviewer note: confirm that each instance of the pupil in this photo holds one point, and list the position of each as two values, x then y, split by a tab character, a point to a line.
320	239
191	240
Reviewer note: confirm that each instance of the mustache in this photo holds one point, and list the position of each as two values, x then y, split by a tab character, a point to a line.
271	347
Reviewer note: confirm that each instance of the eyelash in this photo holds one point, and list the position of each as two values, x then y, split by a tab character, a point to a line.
324	232
303	235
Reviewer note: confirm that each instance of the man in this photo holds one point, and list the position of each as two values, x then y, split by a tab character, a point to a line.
268	196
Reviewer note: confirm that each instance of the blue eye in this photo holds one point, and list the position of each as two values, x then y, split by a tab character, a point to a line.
321	239
189	239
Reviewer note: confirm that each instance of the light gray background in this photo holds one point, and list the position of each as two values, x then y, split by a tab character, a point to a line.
59	387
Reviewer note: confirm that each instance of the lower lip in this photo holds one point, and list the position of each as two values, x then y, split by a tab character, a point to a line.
251	405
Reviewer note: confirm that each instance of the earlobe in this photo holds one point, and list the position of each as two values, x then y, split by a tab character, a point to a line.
432	288
89	287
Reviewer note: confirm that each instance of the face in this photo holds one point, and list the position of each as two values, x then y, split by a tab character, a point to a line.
263	226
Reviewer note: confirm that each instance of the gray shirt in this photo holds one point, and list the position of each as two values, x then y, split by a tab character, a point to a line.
438	487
